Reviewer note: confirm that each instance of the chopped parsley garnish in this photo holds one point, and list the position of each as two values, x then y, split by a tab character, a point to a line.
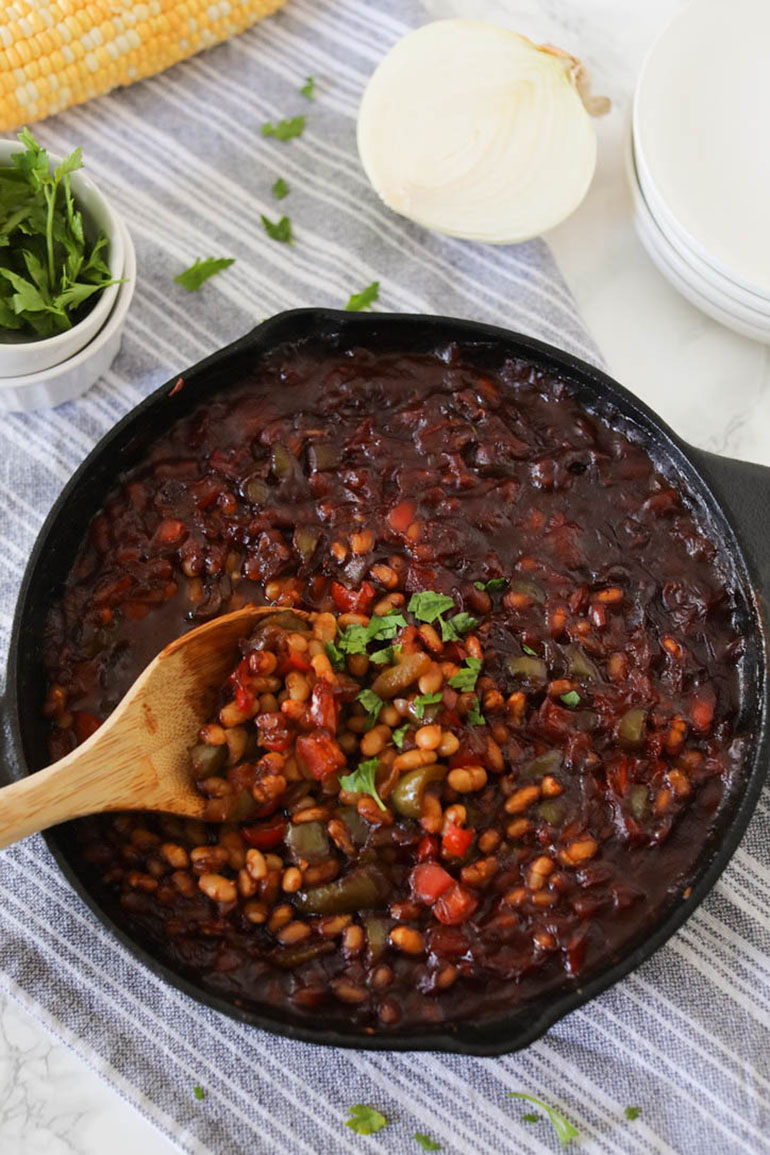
474	715
428	605
200	271
492	585
308	88
463	623
372	703
365	299
426	1142
285	129
399	734
356	638
280	189
633	1113
361	781
528	650
335	655
571	699
386	626
365	1120
426	700
530	1118
563	1128
382	657
198	1092
278	230
465	678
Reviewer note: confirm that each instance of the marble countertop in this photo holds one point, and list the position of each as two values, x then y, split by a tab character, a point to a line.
710	384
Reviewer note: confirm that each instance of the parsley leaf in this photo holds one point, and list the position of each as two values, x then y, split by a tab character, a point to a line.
563	1128
492	585
335	655
198	1092
448	632
285	129
278	231
382	657
474	715
529	651
356	638
372	703
308	88
571	699
200	271
463	623
426	700
361	781
386	626
633	1112
280	189
426	1142
428	605
399	734
530	1118
465	678
364	299
365	1120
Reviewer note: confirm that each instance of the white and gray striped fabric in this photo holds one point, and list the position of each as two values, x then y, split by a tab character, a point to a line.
182	157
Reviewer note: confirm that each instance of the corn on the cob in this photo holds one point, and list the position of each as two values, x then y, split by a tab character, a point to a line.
54	53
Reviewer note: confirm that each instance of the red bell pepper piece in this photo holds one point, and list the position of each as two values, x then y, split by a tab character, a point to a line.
324	708
456	840
85	724
401	517
429	881
320	753
265	835
358	601
427	848
455	905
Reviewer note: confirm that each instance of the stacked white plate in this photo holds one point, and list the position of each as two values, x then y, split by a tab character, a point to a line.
699	159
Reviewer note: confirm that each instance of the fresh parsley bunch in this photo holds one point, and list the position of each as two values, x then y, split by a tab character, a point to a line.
48	270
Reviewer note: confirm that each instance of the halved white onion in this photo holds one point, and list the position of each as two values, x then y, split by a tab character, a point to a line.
472	130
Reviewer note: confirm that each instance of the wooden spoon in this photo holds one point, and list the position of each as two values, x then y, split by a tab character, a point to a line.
139	759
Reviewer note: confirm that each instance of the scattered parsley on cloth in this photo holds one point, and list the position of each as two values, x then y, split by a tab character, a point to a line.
200	271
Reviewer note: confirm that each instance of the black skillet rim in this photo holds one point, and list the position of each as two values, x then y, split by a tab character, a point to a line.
503	1034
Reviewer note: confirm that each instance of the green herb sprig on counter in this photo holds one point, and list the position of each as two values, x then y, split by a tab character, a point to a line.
280	189
48	269
285	129
308	88
426	1142
365	1120
278	230
561	1125
365	299
200	271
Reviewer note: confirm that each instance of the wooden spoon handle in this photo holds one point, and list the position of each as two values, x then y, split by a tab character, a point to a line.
72	787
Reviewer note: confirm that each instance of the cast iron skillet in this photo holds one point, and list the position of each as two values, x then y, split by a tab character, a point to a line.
732	497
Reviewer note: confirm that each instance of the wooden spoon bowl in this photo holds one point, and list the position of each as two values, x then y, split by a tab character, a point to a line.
139	759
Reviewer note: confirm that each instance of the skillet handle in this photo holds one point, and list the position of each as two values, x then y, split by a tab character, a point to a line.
743	489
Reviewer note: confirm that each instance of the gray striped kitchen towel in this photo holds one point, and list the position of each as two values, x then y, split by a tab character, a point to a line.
182	156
